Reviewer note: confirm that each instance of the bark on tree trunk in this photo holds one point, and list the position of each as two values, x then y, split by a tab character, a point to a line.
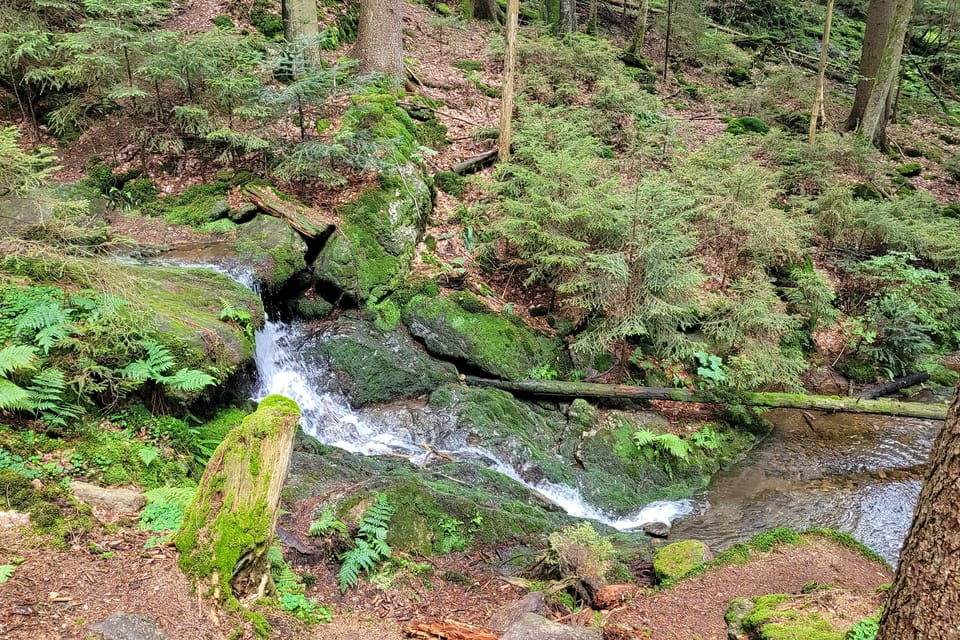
879	18
924	601
379	45
568	16
228	529
879	102
485	10
817	112
509	70
300	20
640	29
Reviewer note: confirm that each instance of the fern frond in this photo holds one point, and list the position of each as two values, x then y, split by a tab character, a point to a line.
643	437
16	356
42	316
187	380
13	396
674	445
158	356
138	370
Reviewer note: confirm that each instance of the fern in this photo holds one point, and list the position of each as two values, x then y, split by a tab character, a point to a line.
6	572
164	512
326	524
643	438
49	323
370	545
47	398
187	380
674	445
15	357
159	360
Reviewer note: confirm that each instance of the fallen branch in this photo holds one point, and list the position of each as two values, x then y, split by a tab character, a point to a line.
308	221
756	399
474	164
893	386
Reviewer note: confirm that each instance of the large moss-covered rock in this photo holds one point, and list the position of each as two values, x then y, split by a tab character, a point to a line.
462	328
275	250
489	506
377	235
228	529
377	366
819	615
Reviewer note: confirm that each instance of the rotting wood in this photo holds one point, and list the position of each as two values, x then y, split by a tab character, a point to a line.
894	385
448	630
756	399
306	220
474	164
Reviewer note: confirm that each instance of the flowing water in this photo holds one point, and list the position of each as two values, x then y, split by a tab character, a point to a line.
855	473
851	472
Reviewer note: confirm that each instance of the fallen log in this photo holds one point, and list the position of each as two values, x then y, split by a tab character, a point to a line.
894	385
474	164
755	399
308	221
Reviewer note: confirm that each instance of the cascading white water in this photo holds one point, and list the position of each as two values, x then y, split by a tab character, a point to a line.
327	415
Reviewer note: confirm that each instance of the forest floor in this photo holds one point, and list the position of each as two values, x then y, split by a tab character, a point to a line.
57	594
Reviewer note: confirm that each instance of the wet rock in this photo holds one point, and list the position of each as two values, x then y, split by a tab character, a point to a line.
112	502
507	615
656	529
129	626
276	250
531	626
377	366
462	328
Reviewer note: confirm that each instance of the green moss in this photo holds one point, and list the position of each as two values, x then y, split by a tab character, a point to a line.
462	327
376	112
775	537
747	124
846	540
469	65
771	619
276	250
909	170
676	560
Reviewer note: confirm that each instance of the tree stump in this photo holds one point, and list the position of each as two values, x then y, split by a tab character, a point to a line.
228	529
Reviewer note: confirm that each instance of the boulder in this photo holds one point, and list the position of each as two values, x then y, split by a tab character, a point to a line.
462	328
737	612
377	366
377	236
504	617
676	560
656	529
111	502
277	252
531	626
128	626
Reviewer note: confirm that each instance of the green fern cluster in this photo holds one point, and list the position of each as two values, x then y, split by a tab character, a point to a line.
370	544
164	512
291	591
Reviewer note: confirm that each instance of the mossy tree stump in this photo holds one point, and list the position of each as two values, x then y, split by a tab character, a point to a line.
228	529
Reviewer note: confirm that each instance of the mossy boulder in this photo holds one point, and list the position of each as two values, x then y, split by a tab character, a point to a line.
377	235
186	305
228	529
481	505
910	169
821	614
276	251
676	560
377	366
747	124
462	328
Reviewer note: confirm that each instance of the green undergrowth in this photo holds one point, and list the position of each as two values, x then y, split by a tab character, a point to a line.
55	516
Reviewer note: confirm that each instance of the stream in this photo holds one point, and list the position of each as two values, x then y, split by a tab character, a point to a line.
851	472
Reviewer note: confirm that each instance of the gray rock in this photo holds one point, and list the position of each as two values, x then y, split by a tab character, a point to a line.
244	213
504	617
116	502
530	626
657	529
738	609
129	626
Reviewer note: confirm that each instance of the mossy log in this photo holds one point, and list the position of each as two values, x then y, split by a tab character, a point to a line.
756	399
306	220
228	529
889	388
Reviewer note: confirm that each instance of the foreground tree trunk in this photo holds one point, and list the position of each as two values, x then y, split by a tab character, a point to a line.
924	602
486	10
379	45
300	19
640	28
229	527
880	68
817	111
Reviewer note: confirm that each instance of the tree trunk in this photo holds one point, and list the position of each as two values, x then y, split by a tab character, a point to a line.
486	10
229	527
379	45
924	601
666	44
754	399
879	18
876	111
509	70
816	112
640	28
568	17
300	19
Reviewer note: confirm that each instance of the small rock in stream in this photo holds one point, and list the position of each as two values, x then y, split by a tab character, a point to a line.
656	529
